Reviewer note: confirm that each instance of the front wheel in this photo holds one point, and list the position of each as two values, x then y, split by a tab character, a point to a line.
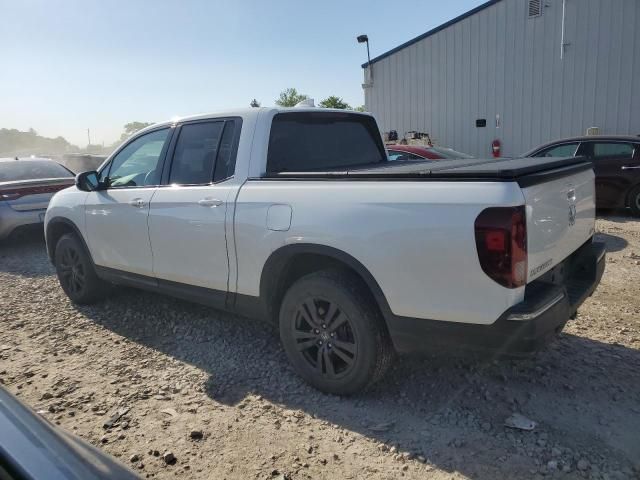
634	201
333	334
75	272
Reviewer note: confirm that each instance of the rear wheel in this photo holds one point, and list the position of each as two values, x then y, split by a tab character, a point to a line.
634	201
75	272
334	336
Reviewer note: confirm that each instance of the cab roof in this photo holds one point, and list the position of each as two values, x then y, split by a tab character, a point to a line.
250	113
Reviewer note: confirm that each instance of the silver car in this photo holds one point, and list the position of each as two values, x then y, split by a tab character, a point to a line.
26	186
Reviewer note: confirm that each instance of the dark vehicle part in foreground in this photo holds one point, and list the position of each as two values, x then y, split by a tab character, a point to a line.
33	449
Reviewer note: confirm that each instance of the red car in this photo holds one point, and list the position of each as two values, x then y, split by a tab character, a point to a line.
419	152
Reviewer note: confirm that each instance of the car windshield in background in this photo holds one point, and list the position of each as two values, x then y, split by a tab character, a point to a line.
450	153
12	171
310	141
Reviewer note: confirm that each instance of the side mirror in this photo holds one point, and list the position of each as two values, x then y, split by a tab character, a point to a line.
88	181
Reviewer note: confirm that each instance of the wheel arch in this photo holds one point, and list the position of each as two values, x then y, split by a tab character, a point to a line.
56	228
286	264
630	191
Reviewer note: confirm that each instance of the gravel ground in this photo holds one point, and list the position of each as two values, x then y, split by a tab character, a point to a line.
208	395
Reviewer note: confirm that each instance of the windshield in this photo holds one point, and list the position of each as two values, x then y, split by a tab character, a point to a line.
312	141
16	170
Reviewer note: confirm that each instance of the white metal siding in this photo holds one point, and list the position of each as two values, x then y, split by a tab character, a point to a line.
501	62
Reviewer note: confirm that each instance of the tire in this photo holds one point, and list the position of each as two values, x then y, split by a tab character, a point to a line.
634	201
76	273
333	333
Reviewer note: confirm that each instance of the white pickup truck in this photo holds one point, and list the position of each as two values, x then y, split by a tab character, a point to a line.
298	217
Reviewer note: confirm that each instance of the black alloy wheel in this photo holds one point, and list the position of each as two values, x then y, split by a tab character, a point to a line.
325	337
76	273
634	201
333	332
72	273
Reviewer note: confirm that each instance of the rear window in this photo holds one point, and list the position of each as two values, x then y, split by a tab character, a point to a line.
449	153
11	171
397	155
310	141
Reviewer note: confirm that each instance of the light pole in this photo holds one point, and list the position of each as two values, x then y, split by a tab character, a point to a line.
365	39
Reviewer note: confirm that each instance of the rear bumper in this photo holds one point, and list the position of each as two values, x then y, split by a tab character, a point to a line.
11	219
549	303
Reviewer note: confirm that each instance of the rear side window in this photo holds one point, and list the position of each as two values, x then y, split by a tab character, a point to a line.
226	163
613	150
16	170
195	153
310	141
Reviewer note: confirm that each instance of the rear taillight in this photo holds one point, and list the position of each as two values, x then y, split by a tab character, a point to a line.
501	240
15	193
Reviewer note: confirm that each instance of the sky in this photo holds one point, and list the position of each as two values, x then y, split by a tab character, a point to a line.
71	65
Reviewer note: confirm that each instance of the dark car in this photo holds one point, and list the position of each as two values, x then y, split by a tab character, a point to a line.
616	163
33	449
419	153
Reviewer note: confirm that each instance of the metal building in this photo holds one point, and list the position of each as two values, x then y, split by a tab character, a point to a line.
521	71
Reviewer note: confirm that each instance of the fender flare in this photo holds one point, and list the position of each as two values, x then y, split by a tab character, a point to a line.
279	259
65	221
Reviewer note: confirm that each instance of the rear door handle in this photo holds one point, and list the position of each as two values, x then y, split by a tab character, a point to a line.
627	167
210	202
137	202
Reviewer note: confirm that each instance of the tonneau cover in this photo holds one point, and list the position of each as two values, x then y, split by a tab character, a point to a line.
501	169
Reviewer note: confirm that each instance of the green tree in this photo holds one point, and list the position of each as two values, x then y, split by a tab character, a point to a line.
16	143
360	109
335	102
290	98
254	103
131	128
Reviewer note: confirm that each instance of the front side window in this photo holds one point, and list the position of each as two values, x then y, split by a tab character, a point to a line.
138	164
617	151
195	153
565	150
316	141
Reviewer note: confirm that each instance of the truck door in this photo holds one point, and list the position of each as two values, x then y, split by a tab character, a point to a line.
116	217
188	213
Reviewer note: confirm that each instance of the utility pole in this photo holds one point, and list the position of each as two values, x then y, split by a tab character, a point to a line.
89	136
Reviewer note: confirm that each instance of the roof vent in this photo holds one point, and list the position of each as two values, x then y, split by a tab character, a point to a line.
306	103
534	8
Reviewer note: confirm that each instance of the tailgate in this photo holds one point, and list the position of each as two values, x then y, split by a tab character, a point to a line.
560	218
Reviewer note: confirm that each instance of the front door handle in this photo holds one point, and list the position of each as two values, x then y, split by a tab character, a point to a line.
627	167
137	202
210	202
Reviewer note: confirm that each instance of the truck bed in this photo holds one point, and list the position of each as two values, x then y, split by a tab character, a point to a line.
523	170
